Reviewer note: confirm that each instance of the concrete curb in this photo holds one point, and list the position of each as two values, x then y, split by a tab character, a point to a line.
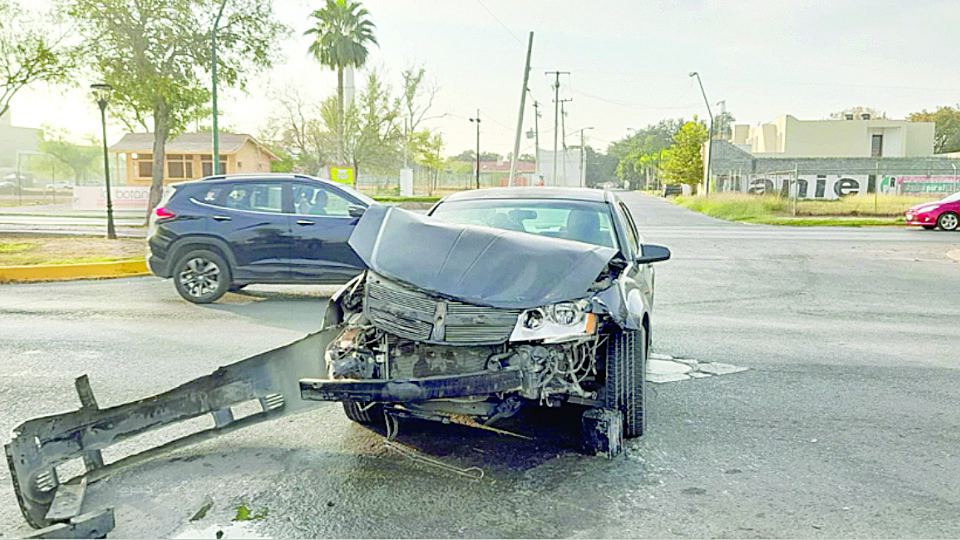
63	272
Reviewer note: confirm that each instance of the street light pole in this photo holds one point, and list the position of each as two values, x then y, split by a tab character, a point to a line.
213	69
102	92
477	120
706	182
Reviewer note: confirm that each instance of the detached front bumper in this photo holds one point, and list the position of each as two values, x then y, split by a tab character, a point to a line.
412	390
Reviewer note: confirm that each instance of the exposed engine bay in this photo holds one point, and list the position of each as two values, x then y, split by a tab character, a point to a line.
392	331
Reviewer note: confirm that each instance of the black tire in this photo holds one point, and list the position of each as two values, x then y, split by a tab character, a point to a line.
929	227
948	221
364	413
201	276
625	378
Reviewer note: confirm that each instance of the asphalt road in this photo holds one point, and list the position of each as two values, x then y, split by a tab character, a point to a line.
844	425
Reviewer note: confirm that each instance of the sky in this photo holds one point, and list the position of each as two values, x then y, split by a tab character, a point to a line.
628	62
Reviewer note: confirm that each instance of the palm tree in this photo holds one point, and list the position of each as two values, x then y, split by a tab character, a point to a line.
342	35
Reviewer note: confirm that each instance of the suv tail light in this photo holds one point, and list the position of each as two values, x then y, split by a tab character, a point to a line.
163	213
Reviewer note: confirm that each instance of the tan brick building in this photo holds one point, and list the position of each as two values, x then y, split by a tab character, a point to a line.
190	156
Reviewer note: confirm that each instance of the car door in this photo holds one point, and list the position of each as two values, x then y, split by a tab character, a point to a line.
321	226
642	275
250	219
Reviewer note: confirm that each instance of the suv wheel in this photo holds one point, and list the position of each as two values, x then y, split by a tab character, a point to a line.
201	276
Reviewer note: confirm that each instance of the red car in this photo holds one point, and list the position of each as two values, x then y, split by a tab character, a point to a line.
944	213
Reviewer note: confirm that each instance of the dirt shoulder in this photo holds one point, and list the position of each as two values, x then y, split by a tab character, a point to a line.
35	250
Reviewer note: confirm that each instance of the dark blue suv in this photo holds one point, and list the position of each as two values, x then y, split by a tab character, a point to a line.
224	232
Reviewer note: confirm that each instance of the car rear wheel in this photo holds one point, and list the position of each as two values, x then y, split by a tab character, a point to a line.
625	378
201	276
364	413
948	221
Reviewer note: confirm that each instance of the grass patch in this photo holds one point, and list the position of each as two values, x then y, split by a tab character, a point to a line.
245	514
9	248
30	251
851	211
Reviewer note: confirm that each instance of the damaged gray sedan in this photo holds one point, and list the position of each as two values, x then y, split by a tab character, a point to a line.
498	299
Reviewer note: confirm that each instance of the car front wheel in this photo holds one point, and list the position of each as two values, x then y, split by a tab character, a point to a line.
948	221
201	276
364	413
625	377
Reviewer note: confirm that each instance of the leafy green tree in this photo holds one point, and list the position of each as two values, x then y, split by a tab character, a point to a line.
32	50
341	34
946	134
723	125
857	112
683	162
155	52
298	130
377	138
416	101
427	148
371	136
82	159
639	154
601	168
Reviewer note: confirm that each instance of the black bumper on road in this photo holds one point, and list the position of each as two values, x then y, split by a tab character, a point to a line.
412	390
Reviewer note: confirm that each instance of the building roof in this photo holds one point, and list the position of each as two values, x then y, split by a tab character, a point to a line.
188	143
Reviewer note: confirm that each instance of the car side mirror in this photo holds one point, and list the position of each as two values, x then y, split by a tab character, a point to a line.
355	210
651	253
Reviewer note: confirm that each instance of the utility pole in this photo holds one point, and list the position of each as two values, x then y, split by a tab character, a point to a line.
583	157
536	135
213	69
556	117
563	130
523	98
706	181
477	120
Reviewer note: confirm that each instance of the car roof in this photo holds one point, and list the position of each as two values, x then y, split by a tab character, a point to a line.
576	194
253	177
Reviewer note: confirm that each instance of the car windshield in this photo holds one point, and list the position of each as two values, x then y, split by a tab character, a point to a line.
572	220
951	198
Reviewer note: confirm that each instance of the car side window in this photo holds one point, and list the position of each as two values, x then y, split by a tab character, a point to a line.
267	197
319	201
631	229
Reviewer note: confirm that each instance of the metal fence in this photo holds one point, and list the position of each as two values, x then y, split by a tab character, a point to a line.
428	182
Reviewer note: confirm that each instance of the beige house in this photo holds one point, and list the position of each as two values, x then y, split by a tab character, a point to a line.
852	137
190	156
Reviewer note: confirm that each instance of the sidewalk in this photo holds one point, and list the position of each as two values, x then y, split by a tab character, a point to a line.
62	219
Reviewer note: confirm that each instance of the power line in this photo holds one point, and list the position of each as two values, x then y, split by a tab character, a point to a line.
492	14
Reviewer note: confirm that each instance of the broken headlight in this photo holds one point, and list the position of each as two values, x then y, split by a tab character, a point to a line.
555	322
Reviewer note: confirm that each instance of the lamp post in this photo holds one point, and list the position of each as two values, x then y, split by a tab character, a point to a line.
101	91
213	70
477	120
706	182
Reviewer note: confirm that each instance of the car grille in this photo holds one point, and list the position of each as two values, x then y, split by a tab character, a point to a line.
418	316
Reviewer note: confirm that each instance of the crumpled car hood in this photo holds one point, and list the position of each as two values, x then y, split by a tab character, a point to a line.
477	265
